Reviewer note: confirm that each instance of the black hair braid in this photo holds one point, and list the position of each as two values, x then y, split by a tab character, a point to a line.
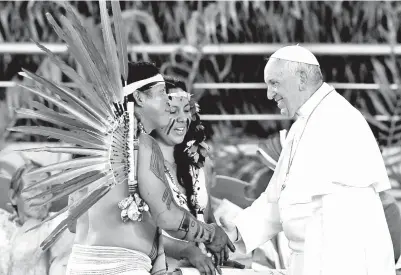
195	132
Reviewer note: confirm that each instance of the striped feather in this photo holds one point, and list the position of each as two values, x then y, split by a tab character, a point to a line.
96	138
85	106
75	51
68	164
85	31
83	85
92	49
113	67
64	106
90	62
61	190
27	113
48	219
66	118
121	39
63	135
64	176
69	150
62	92
76	210
81	58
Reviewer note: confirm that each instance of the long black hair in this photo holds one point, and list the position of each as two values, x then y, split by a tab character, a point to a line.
184	162
195	132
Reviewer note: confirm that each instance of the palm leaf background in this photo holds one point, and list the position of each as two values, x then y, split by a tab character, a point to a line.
201	22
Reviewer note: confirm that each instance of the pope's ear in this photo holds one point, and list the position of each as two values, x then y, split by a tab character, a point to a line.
303	80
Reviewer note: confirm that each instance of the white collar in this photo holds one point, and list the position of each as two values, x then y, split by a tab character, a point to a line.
307	108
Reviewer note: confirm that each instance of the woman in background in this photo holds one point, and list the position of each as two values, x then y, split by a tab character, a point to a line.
21	252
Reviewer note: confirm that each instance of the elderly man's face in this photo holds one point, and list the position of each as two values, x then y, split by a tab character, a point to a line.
283	87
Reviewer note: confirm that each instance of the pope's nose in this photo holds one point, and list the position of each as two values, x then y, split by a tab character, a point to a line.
270	94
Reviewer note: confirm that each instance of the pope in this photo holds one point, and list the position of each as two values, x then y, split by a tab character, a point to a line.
324	193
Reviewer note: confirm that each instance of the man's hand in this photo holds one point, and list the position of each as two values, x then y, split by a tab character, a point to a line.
230	229
220	241
201	261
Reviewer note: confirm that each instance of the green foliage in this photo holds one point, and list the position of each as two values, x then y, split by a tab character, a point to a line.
202	22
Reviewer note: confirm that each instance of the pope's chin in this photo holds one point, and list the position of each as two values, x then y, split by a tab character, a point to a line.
284	112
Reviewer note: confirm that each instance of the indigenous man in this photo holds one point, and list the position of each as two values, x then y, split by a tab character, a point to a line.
105	244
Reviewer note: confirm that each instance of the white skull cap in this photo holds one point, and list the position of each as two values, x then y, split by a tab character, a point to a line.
296	54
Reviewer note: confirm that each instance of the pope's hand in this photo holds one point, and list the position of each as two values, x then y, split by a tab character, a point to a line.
230	228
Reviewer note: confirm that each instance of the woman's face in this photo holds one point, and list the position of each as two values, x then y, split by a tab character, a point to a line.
180	118
36	212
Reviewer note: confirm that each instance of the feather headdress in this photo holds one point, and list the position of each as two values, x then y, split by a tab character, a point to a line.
99	125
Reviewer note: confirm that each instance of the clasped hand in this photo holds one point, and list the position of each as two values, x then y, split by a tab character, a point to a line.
206	264
221	245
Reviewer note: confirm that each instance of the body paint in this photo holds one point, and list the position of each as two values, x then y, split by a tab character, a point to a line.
188	123
170	125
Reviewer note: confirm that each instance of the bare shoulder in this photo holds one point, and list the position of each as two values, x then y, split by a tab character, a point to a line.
151	156
145	141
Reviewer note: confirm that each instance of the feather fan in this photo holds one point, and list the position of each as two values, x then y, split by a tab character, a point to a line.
95	126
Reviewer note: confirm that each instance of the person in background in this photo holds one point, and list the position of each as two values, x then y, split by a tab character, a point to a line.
21	253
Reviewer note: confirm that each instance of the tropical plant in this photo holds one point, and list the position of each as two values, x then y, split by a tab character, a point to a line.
200	22
207	22
387	103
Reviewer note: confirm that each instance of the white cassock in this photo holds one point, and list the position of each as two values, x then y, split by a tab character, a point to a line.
324	194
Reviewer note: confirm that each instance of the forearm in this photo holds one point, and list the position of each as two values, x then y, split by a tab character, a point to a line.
158	195
175	248
182	225
257	224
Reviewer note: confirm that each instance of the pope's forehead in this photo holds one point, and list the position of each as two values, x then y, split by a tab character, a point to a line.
273	68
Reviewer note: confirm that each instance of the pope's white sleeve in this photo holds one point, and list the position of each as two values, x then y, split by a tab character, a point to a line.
348	235
257	224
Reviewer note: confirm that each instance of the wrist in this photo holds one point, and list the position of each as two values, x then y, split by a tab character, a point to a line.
188	251
213	228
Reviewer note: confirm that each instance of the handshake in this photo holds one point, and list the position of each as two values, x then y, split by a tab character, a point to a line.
222	242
